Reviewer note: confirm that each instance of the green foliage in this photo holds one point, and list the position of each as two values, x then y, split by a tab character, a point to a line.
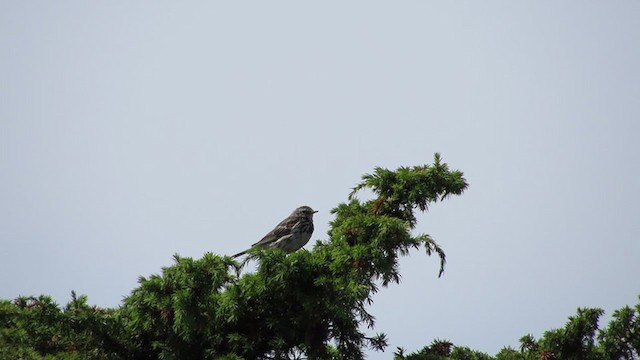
442	350
576	340
407	188
621	339
439	349
464	353
509	353
180	314
311	304
37	328
302	305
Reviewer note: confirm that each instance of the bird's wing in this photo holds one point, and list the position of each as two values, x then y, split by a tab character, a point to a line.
282	242
282	229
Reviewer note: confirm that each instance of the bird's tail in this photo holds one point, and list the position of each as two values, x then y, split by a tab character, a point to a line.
239	254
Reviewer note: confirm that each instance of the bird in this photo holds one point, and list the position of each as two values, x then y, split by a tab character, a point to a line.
290	234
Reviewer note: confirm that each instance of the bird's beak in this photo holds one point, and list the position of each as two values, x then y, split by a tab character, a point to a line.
315	211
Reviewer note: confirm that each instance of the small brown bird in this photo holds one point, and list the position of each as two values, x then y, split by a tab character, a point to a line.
290	234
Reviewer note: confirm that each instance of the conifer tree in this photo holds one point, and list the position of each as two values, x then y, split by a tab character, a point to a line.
309	304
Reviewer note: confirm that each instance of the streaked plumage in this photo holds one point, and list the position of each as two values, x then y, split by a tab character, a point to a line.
290	234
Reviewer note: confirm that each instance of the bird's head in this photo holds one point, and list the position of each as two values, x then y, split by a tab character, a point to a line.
304	211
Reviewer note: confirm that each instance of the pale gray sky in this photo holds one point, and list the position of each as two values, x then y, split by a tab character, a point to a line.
133	130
